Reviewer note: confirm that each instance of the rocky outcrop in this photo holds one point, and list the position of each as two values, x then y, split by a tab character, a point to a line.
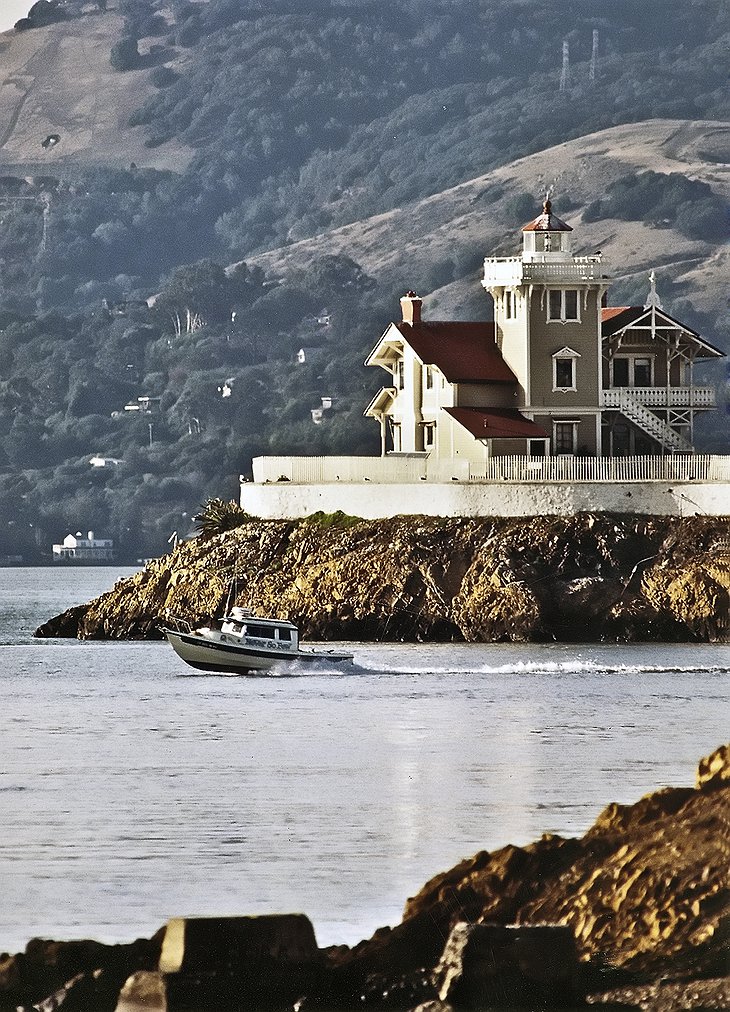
588	577
642	884
80	974
632	915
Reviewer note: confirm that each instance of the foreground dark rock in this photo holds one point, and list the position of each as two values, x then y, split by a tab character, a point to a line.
632	915
589	578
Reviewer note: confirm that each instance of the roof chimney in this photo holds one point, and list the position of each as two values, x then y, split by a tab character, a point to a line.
411	308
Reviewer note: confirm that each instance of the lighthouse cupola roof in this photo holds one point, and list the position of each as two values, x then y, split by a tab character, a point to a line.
547	221
547	237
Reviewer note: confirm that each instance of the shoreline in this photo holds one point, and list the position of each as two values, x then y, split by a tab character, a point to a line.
632	914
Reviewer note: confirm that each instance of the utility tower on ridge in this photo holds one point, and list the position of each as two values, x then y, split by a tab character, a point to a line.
565	73
594	56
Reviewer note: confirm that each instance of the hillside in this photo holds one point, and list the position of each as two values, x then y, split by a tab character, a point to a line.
409	242
339	153
57	79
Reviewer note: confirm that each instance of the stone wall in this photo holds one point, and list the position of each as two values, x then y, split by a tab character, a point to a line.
374	501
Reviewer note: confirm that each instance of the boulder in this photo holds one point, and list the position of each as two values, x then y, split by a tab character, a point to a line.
487	966
221	943
714	770
144	991
224	962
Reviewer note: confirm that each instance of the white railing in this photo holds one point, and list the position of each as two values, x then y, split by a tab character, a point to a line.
503	271
582	271
515	270
661	397
676	467
407	470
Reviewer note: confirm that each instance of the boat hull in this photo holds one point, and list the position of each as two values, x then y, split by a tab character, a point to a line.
209	654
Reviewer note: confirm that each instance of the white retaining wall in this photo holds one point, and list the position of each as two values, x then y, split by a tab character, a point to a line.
286	499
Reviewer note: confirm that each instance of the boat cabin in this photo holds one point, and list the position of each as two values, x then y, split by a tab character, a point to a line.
244	625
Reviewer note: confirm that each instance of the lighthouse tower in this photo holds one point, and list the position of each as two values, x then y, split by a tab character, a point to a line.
547	313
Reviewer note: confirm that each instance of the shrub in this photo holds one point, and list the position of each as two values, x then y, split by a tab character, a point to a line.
124	54
218	516
337	520
163	77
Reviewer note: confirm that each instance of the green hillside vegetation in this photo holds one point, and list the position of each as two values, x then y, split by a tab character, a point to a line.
302	117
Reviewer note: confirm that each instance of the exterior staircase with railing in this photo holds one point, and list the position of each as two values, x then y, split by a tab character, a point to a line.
645	419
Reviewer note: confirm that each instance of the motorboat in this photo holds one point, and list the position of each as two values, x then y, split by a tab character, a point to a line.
247	644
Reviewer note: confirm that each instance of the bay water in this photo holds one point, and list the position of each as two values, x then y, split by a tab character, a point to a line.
133	789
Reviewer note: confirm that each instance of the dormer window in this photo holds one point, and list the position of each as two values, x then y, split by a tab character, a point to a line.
565	369
563	305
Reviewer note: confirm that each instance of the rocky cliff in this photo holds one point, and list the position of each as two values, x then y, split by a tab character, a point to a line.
589	577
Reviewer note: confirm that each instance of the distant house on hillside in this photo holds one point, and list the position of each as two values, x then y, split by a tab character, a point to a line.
144	405
78	549
323	410
308	355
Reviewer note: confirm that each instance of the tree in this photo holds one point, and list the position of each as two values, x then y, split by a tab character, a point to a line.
125	54
45	12
203	293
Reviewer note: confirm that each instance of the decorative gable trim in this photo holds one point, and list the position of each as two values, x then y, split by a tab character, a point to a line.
387	350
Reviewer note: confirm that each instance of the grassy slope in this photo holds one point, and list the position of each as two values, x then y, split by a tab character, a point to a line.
58	79
404	242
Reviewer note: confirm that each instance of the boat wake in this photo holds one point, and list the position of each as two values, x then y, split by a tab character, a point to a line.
537	668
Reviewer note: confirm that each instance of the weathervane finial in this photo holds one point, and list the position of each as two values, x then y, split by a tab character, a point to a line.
653	297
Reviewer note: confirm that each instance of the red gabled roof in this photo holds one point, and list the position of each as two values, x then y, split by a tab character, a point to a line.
614	318
464	352
609	312
497	423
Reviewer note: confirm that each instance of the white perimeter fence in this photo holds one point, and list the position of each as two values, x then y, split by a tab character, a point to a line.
406	468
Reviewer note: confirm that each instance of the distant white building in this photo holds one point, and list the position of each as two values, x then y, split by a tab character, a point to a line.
77	548
144	405
308	354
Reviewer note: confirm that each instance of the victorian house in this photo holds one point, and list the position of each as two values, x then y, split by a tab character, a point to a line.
558	372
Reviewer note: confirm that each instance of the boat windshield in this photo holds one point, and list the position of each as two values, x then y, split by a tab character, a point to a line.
259	631
268	632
